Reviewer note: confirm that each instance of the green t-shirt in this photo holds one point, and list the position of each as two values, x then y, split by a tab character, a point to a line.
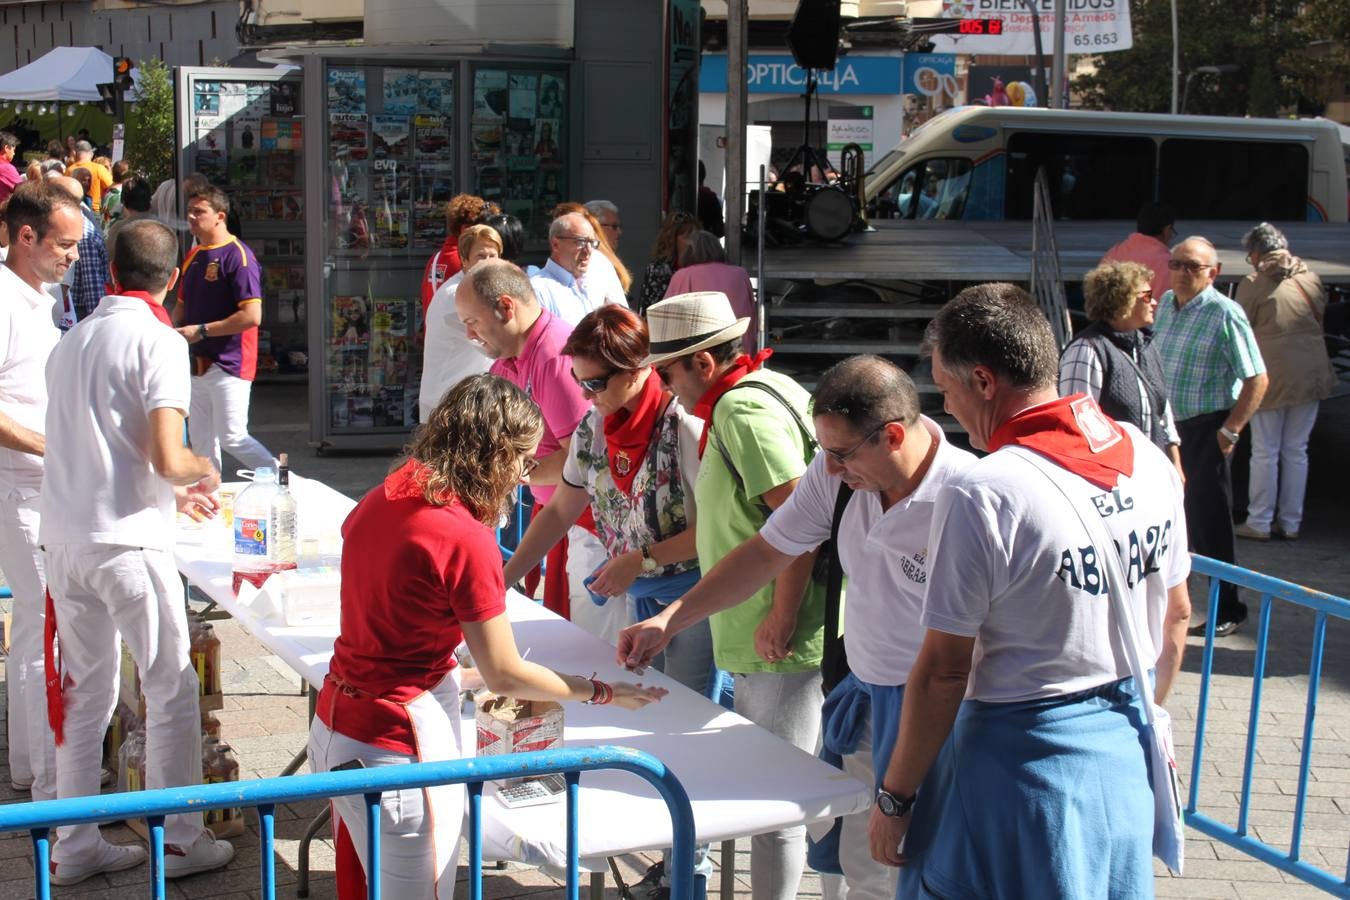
768	449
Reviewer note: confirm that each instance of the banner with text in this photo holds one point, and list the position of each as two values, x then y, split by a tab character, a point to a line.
1090	26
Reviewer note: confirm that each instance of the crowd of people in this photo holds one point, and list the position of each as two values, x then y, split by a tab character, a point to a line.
695	508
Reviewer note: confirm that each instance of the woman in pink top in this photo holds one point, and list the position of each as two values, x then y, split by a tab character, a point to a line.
704	267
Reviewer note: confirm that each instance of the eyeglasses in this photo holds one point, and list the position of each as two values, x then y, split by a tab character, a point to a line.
527	465
841	458
1195	268
582	242
1143	293
663	372
597	384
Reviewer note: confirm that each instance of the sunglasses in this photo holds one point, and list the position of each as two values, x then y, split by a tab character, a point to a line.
527	465
594	385
1195	268
842	457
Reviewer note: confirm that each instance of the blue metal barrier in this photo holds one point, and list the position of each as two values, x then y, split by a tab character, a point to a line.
1324	606
38	818
514	527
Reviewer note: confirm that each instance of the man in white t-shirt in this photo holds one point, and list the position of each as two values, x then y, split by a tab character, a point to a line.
45	227
119	389
873	439
1044	788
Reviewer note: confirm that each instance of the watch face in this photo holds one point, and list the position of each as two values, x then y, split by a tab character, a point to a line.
887	804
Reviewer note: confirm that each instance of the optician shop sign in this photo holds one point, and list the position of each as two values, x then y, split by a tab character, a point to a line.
1090	26
780	75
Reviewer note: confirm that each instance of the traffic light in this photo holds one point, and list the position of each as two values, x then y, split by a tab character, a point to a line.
122	73
107	98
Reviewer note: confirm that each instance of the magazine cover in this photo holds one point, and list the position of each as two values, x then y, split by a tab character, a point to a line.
400	92
347	90
436	93
431	135
391	228
348	135
391	136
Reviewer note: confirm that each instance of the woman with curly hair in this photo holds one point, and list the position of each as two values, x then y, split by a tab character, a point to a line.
666	252
421	572
1114	360
462	211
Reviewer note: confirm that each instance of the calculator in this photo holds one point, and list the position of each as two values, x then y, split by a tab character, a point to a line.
534	792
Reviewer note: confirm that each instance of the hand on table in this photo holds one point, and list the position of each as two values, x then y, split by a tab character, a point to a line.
773	637
198	501
615	577
884	834
635	696
639	644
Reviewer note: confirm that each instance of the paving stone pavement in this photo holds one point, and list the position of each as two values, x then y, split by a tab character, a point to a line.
264	717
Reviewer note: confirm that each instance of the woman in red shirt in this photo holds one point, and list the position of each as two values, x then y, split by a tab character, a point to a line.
421	571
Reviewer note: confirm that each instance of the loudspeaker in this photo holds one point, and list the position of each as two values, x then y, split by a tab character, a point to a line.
813	35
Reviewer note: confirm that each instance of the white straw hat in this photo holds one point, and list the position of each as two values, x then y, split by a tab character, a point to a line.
687	323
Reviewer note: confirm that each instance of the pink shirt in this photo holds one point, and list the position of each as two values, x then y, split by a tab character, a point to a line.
1147	251
9	179
543	373
716	276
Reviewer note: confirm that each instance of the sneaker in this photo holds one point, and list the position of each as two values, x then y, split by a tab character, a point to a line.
203	856
21	787
1252	534
652	879
109	858
1288	535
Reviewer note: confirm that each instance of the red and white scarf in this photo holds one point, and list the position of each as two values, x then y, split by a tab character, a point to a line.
704	408
1075	434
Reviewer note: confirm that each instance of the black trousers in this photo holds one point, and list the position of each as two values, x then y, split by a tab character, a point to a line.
1209	501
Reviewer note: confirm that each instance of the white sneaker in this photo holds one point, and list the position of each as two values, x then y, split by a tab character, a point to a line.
205	854
109	858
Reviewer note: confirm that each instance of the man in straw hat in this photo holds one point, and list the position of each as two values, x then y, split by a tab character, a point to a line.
757	442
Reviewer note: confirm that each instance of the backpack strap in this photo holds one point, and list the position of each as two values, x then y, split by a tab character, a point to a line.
807	436
834	661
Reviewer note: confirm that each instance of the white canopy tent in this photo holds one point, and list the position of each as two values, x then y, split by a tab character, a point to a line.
63	74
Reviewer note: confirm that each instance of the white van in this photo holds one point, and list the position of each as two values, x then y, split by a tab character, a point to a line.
979	162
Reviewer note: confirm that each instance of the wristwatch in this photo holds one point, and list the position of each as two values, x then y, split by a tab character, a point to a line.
893	806
1230	436
648	564
201	331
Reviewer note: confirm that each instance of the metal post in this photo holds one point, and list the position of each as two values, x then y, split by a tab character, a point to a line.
1176	58
738	15
1038	75
1057	73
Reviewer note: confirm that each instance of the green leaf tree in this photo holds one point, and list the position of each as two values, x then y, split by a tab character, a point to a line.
150	122
1257	36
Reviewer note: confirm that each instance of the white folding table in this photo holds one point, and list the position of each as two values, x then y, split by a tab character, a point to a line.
741	779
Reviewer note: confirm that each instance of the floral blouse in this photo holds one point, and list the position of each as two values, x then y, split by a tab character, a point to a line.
662	502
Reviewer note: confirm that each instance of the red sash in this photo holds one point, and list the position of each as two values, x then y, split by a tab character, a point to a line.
1074	433
704	408
157	308
628	435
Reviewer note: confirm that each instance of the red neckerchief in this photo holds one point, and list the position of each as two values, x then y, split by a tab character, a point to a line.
629	434
157	308
1075	434
704	408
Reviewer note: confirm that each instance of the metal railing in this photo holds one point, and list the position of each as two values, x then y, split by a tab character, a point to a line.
39	818
1047	281
1324	607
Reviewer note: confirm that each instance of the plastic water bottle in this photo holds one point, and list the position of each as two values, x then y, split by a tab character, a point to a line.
264	529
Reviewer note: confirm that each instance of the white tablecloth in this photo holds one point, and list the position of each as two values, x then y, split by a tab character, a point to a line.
741	779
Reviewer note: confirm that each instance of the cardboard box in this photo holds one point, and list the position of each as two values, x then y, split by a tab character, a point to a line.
517	726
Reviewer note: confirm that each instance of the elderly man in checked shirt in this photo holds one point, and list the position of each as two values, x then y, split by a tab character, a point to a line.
1216	378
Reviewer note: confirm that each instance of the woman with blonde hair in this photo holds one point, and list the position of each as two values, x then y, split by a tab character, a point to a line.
1285	302
420	573
448	356
1113	360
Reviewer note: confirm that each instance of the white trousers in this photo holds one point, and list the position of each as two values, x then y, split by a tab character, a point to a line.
406	841
32	755
101	592
788	705
218	418
1279	466
585	554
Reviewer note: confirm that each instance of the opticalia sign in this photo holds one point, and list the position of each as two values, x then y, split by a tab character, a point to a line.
780	75
1090	26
